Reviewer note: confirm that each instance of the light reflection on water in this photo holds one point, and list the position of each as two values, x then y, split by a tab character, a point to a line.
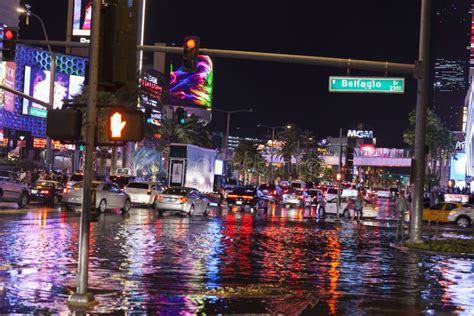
142	262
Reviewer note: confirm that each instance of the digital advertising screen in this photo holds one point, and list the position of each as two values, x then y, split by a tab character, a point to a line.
7	78
36	84
82	17
152	86
193	89
458	167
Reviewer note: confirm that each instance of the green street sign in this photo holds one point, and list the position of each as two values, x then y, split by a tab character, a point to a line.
366	84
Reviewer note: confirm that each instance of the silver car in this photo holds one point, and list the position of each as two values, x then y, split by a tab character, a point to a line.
184	200
144	192
107	196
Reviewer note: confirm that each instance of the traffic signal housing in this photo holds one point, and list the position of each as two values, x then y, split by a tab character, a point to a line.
9	37
181	116
64	125
125	125
190	53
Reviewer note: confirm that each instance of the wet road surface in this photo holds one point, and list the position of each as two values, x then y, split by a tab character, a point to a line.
284	261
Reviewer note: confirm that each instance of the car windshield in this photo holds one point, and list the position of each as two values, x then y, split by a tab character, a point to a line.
43	185
296	185
76	177
138	185
176	191
332	191
313	192
267	187
244	191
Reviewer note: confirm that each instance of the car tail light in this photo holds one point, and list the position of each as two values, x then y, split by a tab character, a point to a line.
247	197
182	199
160	198
65	190
232	196
44	191
275	192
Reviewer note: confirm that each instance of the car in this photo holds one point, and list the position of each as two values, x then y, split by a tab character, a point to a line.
75	178
12	190
439	212
296	199
144	192
285	186
384	194
107	196
247	196
347	208
47	192
331	193
121	180
181	199
462	216
298	185
272	192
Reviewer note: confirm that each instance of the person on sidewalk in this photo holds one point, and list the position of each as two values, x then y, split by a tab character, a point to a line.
359	205
401	205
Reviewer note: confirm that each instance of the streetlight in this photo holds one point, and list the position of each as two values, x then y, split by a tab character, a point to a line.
228	121
273	128
27	11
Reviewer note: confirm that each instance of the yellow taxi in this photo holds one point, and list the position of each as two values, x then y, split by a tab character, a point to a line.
439	212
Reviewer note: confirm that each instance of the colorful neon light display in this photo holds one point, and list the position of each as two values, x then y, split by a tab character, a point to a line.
192	89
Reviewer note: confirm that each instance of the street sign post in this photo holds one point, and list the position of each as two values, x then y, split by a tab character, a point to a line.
366	85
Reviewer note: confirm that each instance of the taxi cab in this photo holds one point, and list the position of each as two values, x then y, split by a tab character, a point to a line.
439	212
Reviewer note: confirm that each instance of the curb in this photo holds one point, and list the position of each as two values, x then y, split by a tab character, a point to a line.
433	253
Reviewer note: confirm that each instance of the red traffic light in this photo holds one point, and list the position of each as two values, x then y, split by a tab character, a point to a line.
190	43
8	34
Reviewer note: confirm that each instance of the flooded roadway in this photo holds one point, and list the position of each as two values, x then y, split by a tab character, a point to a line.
286	261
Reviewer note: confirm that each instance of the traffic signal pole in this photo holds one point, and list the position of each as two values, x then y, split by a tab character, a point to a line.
416	216
82	298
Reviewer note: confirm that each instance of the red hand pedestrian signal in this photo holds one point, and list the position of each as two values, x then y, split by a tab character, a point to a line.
117	125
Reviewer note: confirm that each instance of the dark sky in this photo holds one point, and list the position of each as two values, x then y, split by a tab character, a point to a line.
287	93
282	93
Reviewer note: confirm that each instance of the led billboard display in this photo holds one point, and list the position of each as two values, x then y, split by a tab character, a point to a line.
82	17
36	84
7	78
193	89
458	167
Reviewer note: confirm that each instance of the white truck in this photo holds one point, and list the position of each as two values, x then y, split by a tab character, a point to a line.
191	166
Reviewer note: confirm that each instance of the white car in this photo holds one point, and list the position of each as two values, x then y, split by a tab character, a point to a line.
107	196
298	199
144	192
184	200
346	209
463	216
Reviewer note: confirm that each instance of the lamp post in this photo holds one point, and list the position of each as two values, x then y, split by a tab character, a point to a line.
273	128
27	11
229	113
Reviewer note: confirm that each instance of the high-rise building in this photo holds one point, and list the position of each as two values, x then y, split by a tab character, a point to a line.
450	43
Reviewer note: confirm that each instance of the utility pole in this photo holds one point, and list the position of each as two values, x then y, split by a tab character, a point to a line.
422	75
82	298
339	180
228	122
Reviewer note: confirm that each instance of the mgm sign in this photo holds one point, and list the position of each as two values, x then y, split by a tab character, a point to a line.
352	133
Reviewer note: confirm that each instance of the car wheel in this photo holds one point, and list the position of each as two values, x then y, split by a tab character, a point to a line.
126	206
346	214
191	211
23	200
102	206
206	210
463	221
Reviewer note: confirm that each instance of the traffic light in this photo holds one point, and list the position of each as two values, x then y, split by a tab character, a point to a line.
190	53
9	37
64	124
125	125
451	183
181	116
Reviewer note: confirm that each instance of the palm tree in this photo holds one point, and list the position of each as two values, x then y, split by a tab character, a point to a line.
289	149
248	160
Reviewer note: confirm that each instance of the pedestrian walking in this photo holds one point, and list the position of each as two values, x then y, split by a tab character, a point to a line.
359	205
401	205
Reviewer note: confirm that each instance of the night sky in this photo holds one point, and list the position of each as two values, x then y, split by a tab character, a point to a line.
287	93
281	93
